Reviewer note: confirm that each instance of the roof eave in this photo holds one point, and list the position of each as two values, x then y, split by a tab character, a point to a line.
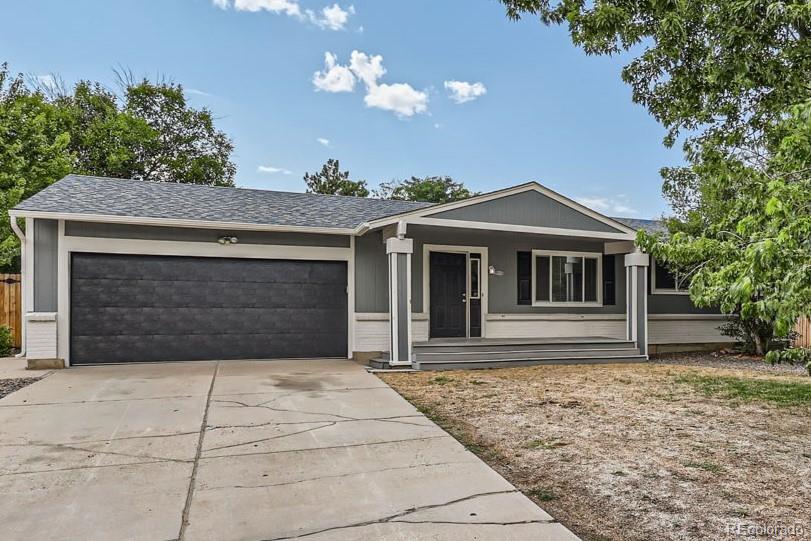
172	222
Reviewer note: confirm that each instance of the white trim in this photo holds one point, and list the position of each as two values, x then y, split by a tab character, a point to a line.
526	187
409	332
659	291
686	317
484	285
394	309
27	275
619	247
558	253
555	317
171	222
512	228
68	245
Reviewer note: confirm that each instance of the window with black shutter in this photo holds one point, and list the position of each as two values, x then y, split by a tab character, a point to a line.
524	277
609	281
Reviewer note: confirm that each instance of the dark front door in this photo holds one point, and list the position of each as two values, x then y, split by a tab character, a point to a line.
447	295
130	308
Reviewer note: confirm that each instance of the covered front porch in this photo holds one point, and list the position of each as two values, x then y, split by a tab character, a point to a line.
516	276
472	353
471	299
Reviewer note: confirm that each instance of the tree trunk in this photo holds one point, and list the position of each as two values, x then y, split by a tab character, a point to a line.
760	346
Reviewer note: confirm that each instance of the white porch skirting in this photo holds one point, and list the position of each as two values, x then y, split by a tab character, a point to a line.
372	329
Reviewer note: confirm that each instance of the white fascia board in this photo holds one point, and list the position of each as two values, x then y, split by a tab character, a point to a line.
512	228
527	187
170	222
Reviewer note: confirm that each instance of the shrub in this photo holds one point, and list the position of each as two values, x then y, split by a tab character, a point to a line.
792	356
5	341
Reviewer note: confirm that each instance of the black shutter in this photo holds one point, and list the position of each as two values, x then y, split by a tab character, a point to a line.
609	281
524	277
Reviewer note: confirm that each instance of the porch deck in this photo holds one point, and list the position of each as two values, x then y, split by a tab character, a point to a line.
472	353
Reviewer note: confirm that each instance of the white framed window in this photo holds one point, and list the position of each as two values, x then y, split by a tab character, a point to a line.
475	278
665	282
567	278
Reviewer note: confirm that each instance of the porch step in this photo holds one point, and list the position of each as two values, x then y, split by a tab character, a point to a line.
525	361
466	354
521	345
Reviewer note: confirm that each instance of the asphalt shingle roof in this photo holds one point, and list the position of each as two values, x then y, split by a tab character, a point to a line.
77	194
651	226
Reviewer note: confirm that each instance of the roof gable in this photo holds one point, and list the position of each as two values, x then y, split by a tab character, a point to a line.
530	208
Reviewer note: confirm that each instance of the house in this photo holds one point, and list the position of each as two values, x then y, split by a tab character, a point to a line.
124	271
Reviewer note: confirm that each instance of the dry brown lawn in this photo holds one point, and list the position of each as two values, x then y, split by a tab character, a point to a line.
637	452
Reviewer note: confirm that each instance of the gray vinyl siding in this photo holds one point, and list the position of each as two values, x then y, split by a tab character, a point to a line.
371	274
527	208
502	253
46	238
675	304
185	234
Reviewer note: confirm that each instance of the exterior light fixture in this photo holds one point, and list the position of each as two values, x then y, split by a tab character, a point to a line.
492	270
225	240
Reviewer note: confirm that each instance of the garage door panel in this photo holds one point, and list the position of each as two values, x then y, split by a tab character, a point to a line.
180	294
155	308
114	321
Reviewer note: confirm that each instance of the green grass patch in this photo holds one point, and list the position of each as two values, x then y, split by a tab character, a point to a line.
784	393
542	494
441	380
545	444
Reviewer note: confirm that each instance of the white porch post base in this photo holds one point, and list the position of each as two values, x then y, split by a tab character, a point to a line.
636	305
399	252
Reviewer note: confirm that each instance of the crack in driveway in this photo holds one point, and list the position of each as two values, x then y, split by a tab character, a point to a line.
394	517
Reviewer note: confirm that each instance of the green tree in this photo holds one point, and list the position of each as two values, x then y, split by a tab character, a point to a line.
735	77
332	181
33	153
151	133
752	254
429	189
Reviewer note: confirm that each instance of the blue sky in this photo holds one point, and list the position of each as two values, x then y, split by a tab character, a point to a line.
546	111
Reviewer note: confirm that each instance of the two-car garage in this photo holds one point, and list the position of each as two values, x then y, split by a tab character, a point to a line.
141	308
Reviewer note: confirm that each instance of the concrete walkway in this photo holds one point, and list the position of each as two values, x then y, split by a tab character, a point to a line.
243	450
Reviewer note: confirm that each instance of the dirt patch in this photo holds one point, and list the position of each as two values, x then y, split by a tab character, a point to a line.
637	452
8	386
735	361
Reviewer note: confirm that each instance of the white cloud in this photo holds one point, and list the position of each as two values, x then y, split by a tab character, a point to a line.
273	170
400	98
462	91
614	205
324	141
288	7
332	17
196	92
335	77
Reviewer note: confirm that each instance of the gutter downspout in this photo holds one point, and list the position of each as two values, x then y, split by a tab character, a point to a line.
20	235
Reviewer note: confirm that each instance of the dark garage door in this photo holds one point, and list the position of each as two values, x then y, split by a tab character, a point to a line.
129	308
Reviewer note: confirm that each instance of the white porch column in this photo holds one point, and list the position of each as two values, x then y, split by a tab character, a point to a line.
636	306
399	252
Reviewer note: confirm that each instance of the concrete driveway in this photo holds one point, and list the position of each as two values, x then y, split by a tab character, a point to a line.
243	450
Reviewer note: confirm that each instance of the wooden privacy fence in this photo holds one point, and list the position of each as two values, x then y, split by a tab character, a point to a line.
10	302
803	329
